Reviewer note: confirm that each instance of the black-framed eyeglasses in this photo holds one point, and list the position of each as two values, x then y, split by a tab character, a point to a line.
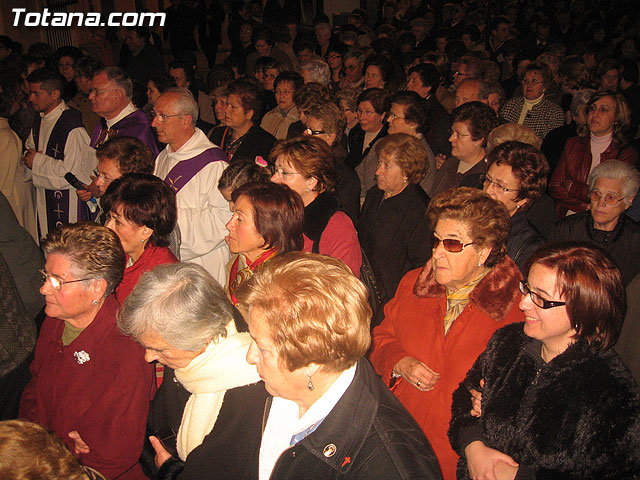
487	180
393	116
308	131
161	117
537	299
450	244
57	283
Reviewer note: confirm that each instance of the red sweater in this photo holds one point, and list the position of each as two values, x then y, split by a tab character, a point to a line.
105	398
150	258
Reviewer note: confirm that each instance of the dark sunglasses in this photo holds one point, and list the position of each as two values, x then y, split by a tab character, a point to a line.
449	244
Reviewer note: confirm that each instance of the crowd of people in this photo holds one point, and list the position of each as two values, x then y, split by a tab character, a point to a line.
393	244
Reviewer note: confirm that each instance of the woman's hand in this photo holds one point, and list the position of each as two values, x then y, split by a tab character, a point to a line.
440	158
80	447
489	464
417	373
162	455
476	401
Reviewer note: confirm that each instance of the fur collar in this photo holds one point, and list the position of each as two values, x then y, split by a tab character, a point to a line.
317	215
495	295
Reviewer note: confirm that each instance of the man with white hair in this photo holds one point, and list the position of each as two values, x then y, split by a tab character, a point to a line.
192	166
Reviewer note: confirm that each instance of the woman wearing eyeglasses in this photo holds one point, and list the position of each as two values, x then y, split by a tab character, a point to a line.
373	105
517	177
612	187
90	385
306	165
471	124
557	401
608	119
532	109
443	314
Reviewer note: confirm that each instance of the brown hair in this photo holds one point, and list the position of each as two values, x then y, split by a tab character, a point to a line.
146	201
316	309
28	451
528	165
407	151
591	285
480	117
129	153
332	118
311	157
487	219
278	214
95	251
623	114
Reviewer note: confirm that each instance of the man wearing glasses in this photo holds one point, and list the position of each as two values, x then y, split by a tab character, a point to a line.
192	166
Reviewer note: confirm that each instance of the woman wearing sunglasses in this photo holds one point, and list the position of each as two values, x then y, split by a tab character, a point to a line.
557	401
442	315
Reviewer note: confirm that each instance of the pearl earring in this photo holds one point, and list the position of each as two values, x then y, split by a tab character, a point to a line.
310	384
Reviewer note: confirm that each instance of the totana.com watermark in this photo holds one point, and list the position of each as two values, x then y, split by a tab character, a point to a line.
22	18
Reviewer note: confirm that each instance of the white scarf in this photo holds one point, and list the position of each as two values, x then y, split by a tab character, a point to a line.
221	367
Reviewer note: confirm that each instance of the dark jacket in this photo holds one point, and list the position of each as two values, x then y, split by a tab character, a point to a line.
356	142
394	234
373	435
576	417
256	143
568	184
448	177
622	243
523	240
225	453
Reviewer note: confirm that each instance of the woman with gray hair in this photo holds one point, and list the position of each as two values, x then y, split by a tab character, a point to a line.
208	410
612	187
90	385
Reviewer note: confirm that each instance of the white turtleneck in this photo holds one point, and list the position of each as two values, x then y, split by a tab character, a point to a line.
599	145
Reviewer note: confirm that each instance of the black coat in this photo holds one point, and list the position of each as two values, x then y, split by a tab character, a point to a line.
576	417
394	234
225	453
256	142
373	434
622	243
523	240
356	143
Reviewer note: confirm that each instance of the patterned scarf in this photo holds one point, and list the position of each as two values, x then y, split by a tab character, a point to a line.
458	299
238	274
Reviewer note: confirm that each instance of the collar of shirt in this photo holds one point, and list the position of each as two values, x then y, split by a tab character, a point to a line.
128	110
55	113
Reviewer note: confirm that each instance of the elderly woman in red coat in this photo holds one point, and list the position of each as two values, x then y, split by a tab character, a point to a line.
608	119
91	386
444	313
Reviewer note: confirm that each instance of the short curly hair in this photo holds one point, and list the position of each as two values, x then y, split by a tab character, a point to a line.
487	219
408	152
528	165
316	310
331	116
130	154
480	117
95	251
311	157
379	99
28	451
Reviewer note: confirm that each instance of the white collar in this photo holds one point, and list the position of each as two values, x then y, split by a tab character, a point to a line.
56	112
128	110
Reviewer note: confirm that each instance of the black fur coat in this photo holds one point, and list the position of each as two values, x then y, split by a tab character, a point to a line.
576	417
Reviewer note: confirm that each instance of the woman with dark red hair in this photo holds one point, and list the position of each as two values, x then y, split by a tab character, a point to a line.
557	401
267	220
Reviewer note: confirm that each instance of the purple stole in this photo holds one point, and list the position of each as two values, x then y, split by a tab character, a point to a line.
136	124
57	202
185	170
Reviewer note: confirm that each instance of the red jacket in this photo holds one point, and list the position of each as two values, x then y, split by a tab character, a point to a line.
414	327
105	398
568	184
150	258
